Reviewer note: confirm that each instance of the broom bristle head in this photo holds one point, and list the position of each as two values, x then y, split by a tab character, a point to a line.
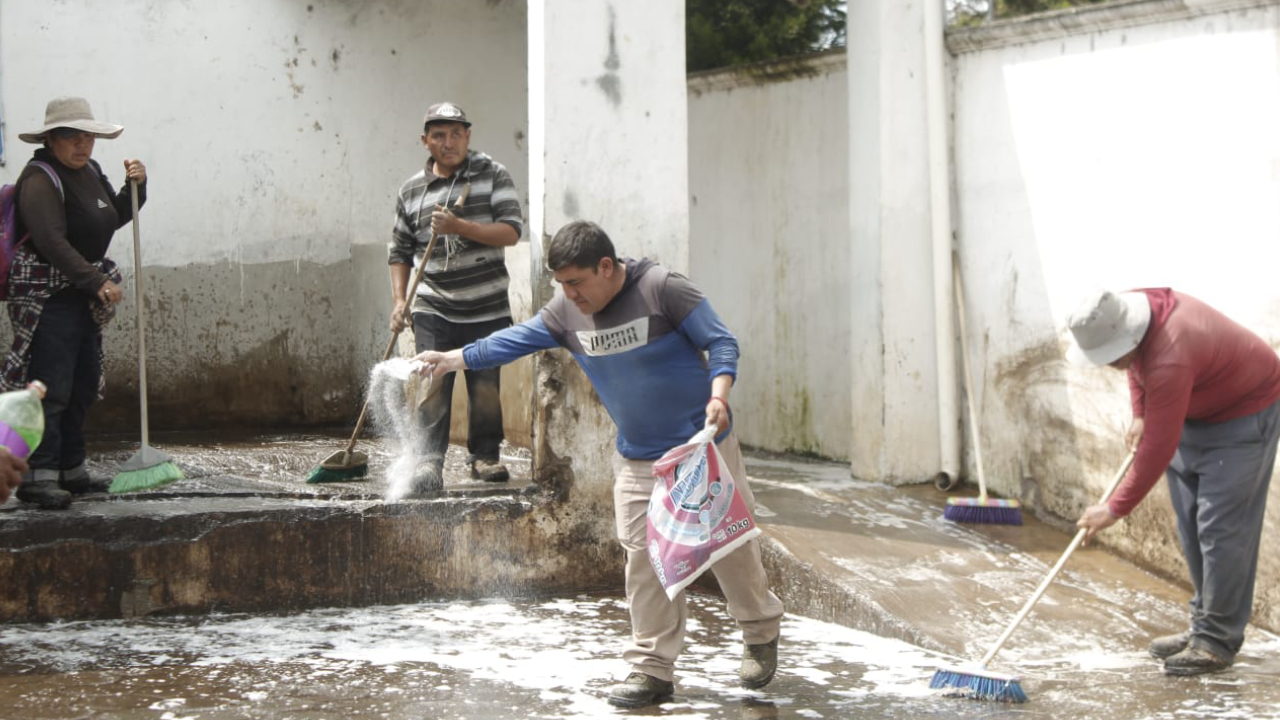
991	511
322	474
979	684
145	478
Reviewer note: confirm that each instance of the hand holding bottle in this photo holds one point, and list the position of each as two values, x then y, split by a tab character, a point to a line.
22	419
11	469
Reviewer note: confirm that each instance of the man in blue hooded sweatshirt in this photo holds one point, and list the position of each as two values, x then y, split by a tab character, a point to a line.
639	332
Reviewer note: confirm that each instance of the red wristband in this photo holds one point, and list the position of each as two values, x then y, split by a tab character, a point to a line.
722	401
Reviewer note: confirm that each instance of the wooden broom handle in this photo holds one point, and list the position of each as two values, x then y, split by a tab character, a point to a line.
408	314
138	296
969	390
1044	584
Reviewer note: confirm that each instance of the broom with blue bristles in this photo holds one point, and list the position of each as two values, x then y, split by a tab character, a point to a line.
981	509
975	681
148	468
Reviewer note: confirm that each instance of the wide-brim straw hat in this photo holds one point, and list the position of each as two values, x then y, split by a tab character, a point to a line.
71	112
1107	326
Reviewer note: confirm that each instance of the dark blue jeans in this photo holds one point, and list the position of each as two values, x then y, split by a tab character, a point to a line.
484	406
64	356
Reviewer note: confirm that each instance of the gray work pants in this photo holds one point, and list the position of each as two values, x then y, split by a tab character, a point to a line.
1218	482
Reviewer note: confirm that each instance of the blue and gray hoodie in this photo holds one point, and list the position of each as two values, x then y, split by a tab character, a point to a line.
644	353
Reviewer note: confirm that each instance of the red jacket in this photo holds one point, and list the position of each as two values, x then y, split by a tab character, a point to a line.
1193	363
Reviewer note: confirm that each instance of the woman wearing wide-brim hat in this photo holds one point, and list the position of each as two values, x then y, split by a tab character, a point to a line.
62	289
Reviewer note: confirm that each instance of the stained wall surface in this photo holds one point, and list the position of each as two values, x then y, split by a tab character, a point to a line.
1119	146
767	244
276	135
1120	152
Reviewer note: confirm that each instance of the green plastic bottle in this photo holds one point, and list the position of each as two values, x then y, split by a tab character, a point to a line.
22	419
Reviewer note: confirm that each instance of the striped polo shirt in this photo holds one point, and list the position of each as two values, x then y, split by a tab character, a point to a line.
465	281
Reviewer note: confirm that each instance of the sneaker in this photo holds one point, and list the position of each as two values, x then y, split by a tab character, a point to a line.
640	689
759	662
427	480
45	494
489	470
1163	647
1194	661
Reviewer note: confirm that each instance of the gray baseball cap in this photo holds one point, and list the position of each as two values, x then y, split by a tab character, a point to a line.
445	112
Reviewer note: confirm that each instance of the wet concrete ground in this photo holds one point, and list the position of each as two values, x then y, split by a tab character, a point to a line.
875	557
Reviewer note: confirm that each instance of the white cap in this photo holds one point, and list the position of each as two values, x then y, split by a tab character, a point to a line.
1107	326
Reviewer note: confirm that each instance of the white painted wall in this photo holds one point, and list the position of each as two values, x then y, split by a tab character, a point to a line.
609	123
768	247
1119	155
276	134
894	359
1119	146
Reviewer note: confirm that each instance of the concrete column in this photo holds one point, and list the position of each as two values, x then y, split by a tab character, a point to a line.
895	433
608	143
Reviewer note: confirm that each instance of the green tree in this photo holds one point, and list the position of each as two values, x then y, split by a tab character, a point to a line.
719	33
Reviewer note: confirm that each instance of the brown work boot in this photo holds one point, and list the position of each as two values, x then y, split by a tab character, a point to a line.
640	689
1195	661
45	494
759	662
1163	647
489	470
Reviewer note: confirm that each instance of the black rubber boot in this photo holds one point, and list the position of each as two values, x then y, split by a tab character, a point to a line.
45	494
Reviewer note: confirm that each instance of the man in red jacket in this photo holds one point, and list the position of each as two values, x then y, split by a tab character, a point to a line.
1204	392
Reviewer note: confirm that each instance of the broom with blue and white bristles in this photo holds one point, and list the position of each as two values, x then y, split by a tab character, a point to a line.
980	509
975	681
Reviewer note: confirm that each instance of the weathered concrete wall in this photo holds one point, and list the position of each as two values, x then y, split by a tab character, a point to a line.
232	554
1126	145
608	133
276	135
767	247
811	230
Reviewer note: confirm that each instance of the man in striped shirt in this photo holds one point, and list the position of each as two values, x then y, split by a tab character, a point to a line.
463	293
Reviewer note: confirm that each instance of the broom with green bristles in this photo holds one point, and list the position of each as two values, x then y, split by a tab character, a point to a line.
981	509
346	464
148	468
975	681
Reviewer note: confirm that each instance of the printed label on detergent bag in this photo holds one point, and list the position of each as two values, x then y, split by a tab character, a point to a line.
696	513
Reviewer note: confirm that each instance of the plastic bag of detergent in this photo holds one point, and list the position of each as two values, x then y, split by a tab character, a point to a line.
696	513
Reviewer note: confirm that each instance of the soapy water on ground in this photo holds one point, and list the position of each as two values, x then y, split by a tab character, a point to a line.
556	659
496	659
512	659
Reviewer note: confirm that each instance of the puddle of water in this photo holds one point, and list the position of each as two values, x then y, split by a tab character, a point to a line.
531	659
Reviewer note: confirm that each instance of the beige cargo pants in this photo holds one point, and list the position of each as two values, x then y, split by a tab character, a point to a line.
657	624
